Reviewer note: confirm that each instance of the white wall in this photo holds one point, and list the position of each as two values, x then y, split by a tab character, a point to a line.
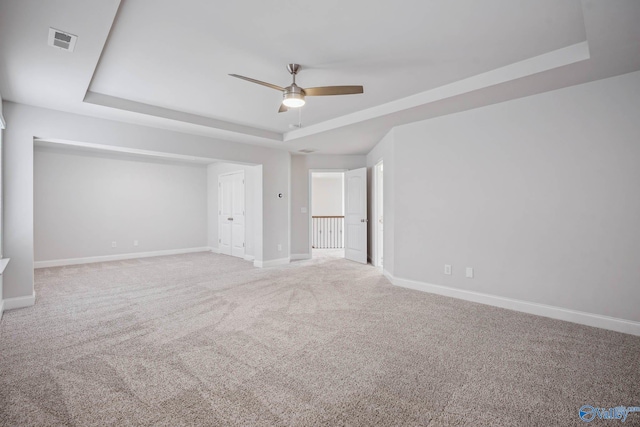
300	166
252	194
540	195
85	201
326	195
25	122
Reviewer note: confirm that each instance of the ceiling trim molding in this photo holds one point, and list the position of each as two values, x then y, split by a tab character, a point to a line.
125	150
555	59
558	58
166	113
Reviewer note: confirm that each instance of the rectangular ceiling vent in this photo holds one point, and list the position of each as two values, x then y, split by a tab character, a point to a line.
62	40
306	151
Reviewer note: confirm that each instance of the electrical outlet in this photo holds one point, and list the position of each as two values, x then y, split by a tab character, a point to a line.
114	244
279	247
303	210
447	269
470	272
135	243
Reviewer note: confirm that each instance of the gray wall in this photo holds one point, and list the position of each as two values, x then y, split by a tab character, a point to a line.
84	201
300	166
540	195
25	122
252	196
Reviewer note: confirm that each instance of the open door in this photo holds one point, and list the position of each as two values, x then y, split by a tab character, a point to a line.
355	215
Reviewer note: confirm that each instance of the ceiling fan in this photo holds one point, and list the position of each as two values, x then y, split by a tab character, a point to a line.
293	95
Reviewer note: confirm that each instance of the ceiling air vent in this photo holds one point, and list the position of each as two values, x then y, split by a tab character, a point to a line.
306	151
62	40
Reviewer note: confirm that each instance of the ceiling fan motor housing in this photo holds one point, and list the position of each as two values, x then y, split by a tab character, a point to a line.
293	96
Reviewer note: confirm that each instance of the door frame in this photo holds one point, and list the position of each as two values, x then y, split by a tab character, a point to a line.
244	185
309	202
349	221
375	261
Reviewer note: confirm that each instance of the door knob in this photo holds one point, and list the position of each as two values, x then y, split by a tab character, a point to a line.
364	220
230	219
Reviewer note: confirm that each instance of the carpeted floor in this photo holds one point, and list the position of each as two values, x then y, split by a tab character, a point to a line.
208	340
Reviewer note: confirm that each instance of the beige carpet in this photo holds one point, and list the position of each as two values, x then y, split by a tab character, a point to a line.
208	340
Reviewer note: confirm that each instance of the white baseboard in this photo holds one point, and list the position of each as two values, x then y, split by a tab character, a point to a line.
1	308
300	256
271	263
249	257
215	250
580	317
134	255
19	302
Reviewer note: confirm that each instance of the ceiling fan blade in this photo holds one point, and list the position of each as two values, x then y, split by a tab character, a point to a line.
333	90
276	87
283	108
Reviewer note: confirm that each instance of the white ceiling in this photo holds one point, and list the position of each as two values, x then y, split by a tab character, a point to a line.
166	63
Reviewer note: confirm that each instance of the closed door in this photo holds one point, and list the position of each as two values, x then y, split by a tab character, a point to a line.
231	214
355	215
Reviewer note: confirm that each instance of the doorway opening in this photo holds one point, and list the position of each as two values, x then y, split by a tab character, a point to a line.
379	215
235	216
327	214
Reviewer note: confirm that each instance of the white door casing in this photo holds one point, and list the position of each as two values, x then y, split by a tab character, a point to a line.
237	212
379	215
355	215
224	214
231	214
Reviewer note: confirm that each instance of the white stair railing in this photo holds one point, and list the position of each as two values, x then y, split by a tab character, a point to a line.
327	232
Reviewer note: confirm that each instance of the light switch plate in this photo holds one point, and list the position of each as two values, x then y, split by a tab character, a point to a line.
447	269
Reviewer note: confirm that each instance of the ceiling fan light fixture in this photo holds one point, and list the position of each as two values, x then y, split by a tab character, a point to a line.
293	95
293	100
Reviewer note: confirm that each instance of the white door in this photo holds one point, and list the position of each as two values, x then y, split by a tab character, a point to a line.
231	214
355	215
